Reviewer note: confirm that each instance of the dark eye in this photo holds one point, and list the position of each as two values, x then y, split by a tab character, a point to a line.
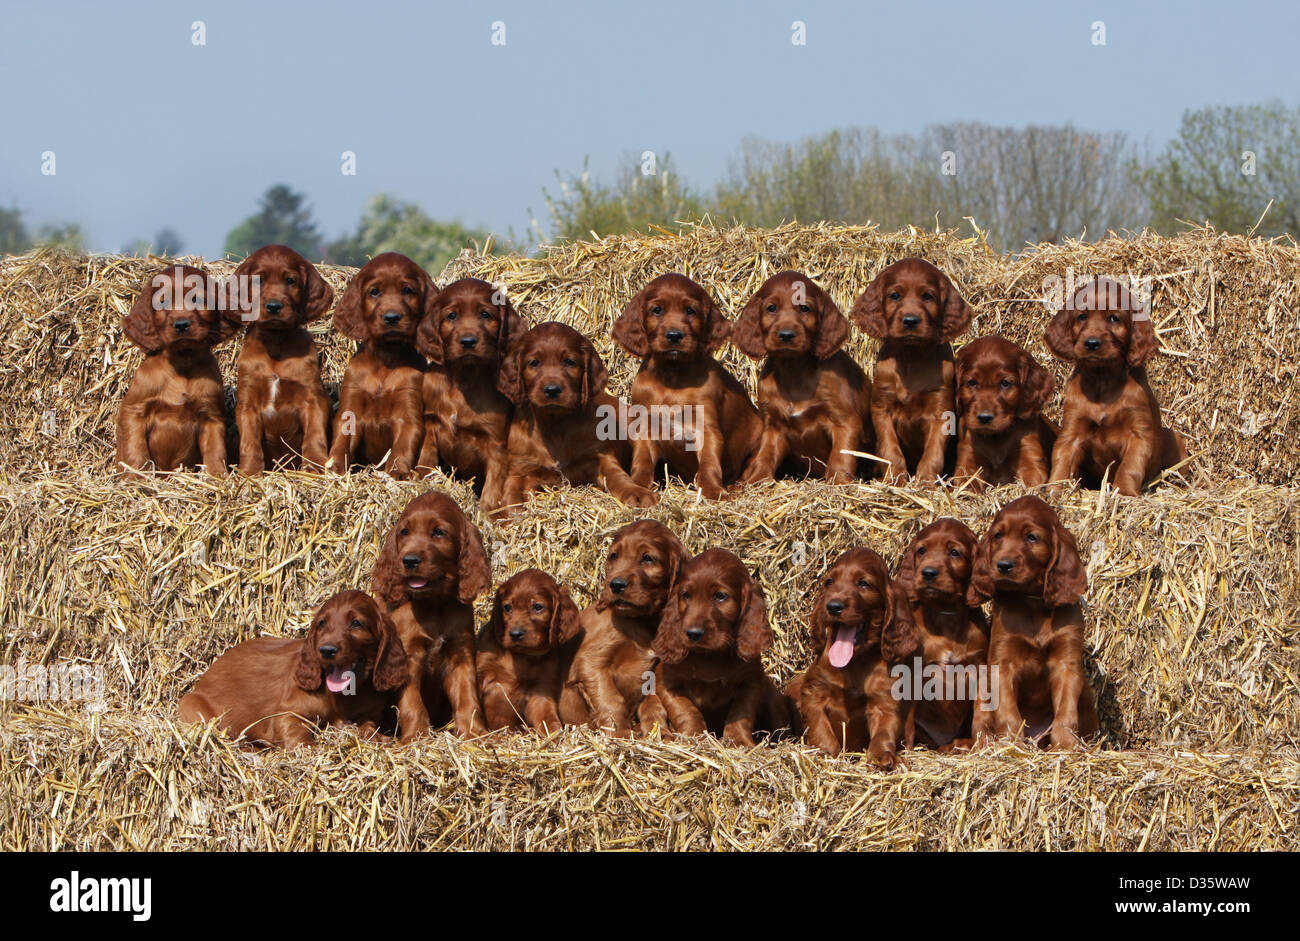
534	363
927	296
920	550
355	625
895	296
1005	383
485	315
507	608
647	559
322	623
955	553
686	596
1114	318
690	312
719	596
828	581
439	532
291	281
1082	317
771	308
613	556
570	361
863	583
657	311
804	308
374	292
1031	537
538	606
408	290
973	383
404	531
998	534
452	315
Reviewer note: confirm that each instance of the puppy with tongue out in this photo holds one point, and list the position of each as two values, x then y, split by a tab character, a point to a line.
861	626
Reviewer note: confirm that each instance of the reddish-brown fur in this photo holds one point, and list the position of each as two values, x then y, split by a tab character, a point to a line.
1111	418
853	706
1003	436
281	407
615	661
674	325
381	403
1028	565
915	311
524	652
556	380
174	412
276	690
466	335
815	401
429	572
934	575
711	634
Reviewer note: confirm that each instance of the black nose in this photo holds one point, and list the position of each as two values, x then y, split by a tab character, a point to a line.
673	336
835	607
410	561
328	651
929	573
1092	343
618	585
181	326
1005	565
985	417
392	317
274	307
469	342
552	392
516	633
911	320
694	633
787	336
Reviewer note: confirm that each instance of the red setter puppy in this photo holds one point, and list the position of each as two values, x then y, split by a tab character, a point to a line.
1029	566
612	670
282	409
281	690
915	311
1001	391
814	399
381	405
861	626
428	574
466	335
710	676
556	380
934	576
675	327
525	651
1111	418
174	413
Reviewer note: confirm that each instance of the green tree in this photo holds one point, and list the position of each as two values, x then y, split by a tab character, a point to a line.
65	235
389	224
638	200
165	242
13	234
283	218
1205	173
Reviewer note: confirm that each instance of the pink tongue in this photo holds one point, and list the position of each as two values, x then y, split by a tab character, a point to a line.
842	646
338	679
417	582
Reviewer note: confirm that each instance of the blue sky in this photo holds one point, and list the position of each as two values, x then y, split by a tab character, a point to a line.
150	130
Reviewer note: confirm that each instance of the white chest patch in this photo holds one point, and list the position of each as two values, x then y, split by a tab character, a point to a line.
275	394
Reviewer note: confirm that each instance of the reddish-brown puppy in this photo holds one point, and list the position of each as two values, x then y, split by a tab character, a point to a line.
381	404
613	670
1111	418
174	413
1028	565
861	626
525	651
466	334
1001	391
428	574
934	575
675	327
711	634
915	311
281	407
815	401
349	669
556	380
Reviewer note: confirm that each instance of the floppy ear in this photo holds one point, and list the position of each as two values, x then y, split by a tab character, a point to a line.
139	325
594	374
718	326
1065	580
956	312
906	577
1141	341
512	327
428	339
868	312
1059	334
817	626
747	331
510	378
475	573
390	669
629	329
497	622
980	589
564	618
308	673
899	637
349	318
832	326
386	580
1036	385
319	294
753	633
669	642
